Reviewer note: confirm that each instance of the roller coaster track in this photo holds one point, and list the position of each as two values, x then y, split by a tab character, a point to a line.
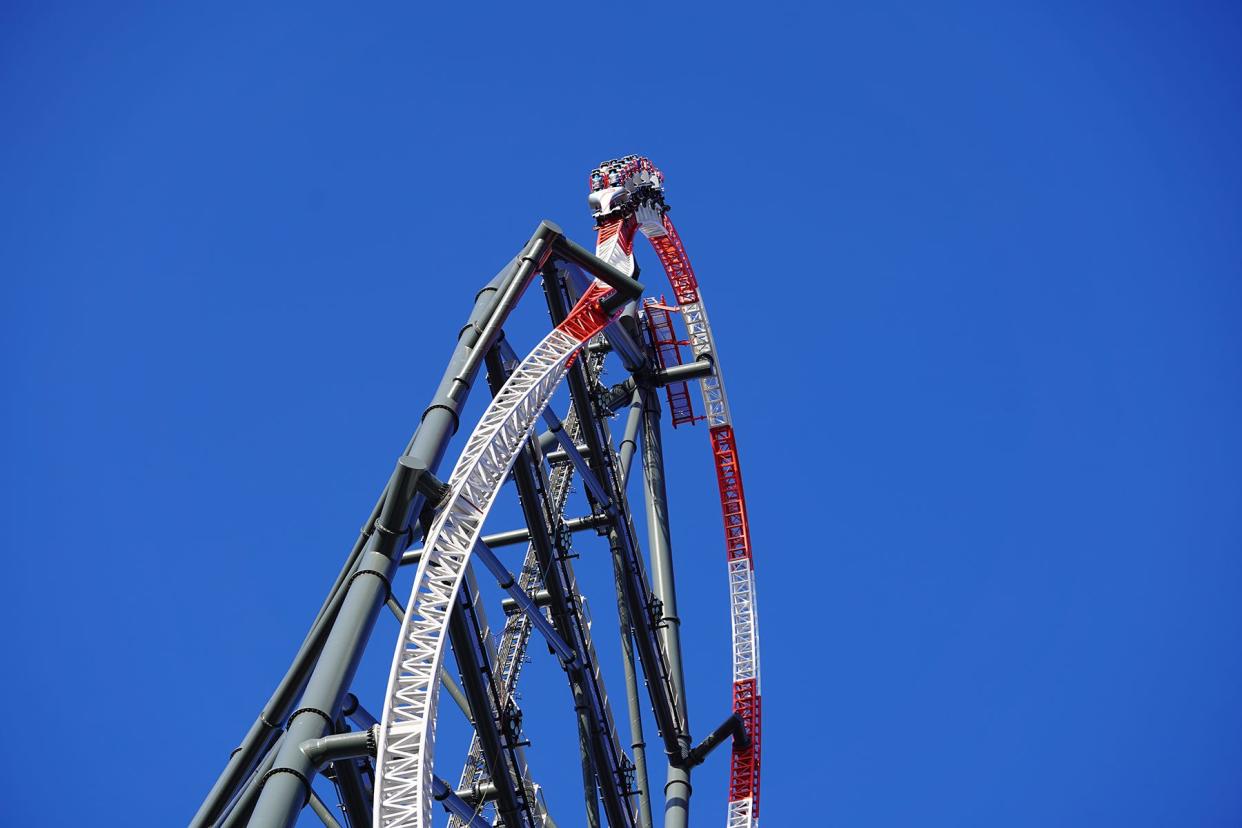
268	778
628	195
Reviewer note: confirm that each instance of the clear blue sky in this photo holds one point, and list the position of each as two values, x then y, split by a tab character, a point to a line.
976	275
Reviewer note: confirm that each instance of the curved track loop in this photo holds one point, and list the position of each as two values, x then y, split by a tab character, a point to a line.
407	733
628	196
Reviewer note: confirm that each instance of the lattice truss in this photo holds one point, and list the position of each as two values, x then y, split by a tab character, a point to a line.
403	794
405	789
407	734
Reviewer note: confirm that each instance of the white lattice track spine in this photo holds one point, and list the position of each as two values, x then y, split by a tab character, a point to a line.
407	733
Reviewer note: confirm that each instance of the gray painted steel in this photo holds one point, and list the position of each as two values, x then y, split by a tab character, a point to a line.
285	791
322	811
538	512
677	790
301	730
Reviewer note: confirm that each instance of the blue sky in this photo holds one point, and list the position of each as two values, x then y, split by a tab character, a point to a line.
975	273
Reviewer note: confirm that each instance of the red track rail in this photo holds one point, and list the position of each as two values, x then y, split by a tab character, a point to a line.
629	196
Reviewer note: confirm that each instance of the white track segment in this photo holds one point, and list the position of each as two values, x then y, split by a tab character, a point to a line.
742	613
407	732
511	652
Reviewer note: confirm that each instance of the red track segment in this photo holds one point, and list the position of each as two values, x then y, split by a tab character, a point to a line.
744	764
668	352
677	264
732	497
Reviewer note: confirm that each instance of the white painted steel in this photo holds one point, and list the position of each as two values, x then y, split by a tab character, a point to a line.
743	616
740	814
516	634
407	733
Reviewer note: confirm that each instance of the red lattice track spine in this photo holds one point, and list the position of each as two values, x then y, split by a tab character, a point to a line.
732	496
668	352
673	256
745	762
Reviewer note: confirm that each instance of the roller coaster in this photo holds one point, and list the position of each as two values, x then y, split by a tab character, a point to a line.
384	769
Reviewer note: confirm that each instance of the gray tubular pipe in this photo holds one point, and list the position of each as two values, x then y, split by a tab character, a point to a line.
266	727
321	810
365	592
239	814
455	805
701	367
638	743
356	713
677	789
528	605
629	439
512	537
337	746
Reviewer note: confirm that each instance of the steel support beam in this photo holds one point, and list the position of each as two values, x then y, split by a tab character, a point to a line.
701	367
527	604
659	538
638	744
239	812
732	726
487	713
288	785
513	537
351	791
540	519
287	788
439	422
575	457
629	437
322	811
443	793
622	543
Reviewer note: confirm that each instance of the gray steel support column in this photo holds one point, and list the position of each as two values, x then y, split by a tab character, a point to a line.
540	517
677	790
623	543
287	788
322	811
590	796
629	438
512	537
442	793
443	412
475	680
637	743
239	813
346	772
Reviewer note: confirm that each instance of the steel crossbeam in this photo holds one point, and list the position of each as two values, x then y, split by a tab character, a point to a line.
268	779
644	612
586	682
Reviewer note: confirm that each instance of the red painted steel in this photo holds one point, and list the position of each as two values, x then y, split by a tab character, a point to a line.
668	352
744	764
732	496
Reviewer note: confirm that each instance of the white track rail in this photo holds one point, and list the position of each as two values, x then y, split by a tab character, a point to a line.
629	198
514	638
407	733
